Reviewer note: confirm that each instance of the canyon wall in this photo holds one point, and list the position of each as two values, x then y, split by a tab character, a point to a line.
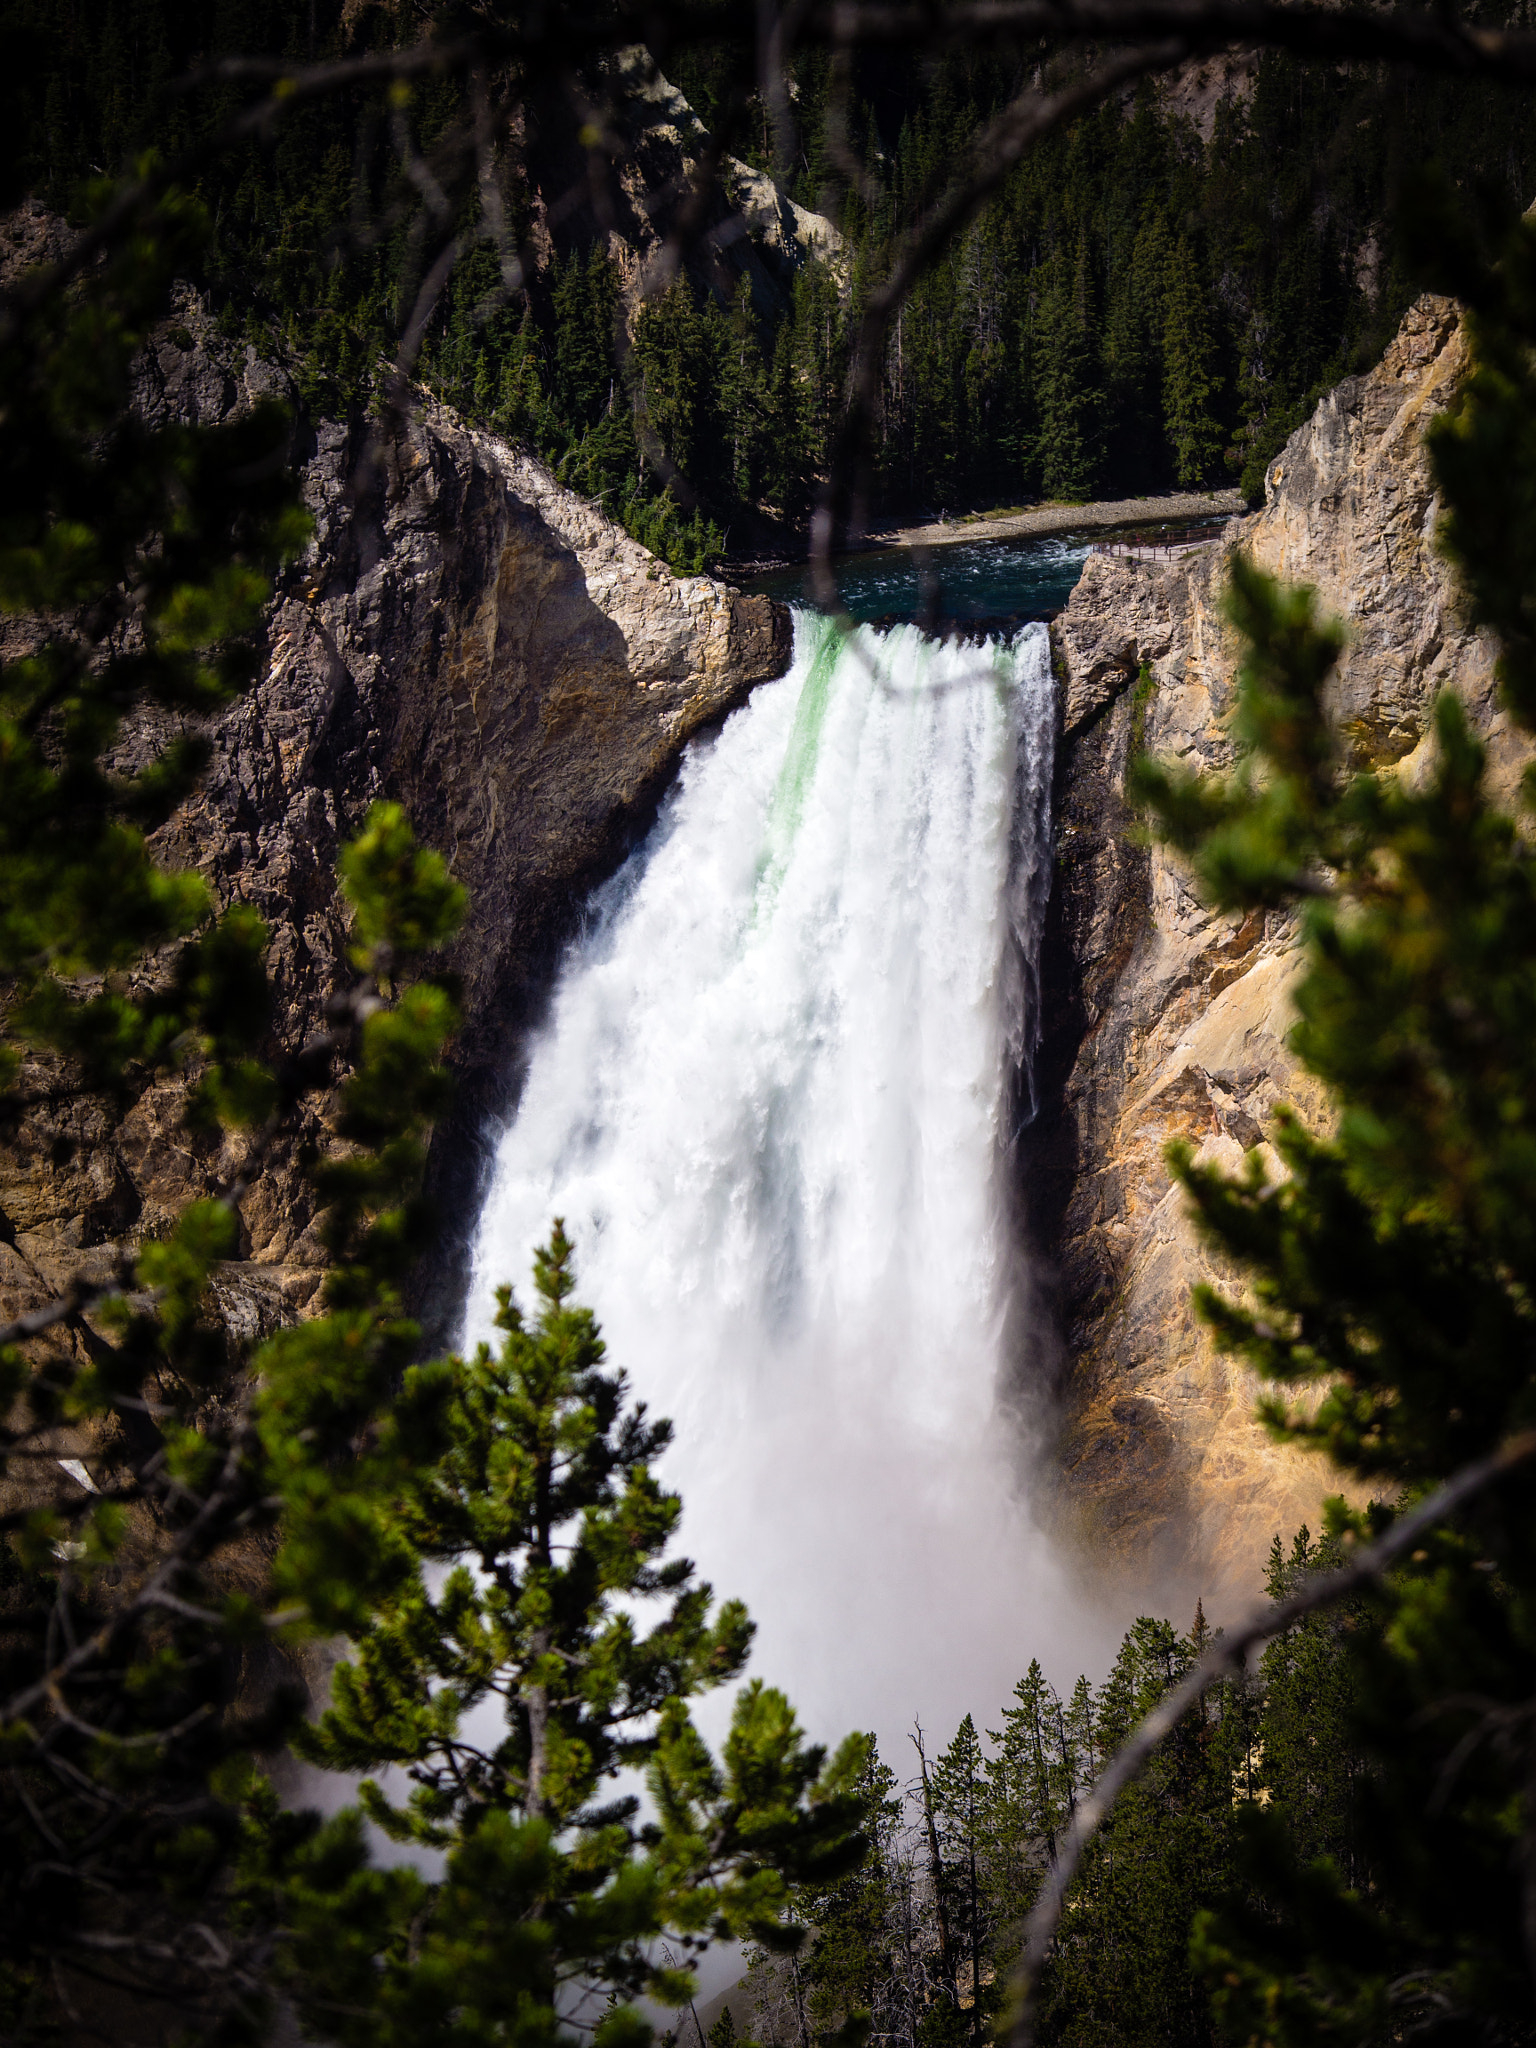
467	636
464	635
1166	1021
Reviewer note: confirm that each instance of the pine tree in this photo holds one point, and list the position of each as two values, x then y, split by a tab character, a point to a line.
723	2033
542	1477
519	403
1311	1764
1034	1778
1391	1271
741	380
986	343
932	443
1191	382
959	1802
855	1962
585	302
1133	352
136	561
1122	1971
675	400
138	558
819	359
786	464
1064	369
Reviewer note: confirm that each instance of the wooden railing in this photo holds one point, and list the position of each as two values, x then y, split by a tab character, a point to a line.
1153	551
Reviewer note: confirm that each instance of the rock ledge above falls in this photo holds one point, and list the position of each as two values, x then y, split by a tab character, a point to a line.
1165	1021
464	635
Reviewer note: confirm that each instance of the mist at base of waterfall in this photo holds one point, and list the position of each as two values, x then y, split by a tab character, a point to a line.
770	1103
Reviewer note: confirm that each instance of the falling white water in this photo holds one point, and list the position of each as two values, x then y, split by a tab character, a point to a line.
770	1103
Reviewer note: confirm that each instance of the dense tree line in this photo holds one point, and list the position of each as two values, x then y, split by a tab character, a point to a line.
1143	306
1385	1889
184	1500
924	1936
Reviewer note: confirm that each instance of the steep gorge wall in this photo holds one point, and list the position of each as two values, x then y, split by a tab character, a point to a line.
467	636
1166	1021
461	634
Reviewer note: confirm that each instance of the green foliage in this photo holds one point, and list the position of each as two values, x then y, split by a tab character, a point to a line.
1191	382
1392	1268
1168	308
528	1479
1330	1849
918	1944
403	899
1138	308
669	353
1063	355
584	299
239	1497
1310	1762
135	559
842	1975
1121	1968
1339	1832
128	1598
723	2033
958	1797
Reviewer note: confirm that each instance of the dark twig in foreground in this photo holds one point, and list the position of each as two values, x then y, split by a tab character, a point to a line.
1225	1657
1001	145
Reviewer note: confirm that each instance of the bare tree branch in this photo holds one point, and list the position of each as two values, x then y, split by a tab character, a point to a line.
1225	1657
190	1543
1435	40
1001	144
80	1294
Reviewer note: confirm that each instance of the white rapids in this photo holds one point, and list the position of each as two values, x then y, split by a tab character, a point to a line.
771	1103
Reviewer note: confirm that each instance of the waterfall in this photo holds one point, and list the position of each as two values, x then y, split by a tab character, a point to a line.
770	1102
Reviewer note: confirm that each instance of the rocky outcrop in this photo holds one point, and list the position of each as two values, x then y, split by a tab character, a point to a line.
662	121
741	227
1167	1021
461	634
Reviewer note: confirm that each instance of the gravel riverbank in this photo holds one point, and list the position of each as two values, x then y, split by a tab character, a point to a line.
1049	519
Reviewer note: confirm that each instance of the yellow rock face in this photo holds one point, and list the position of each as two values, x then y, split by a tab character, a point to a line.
1170	1022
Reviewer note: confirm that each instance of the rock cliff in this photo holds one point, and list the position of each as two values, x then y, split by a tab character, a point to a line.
466	636
1165	1021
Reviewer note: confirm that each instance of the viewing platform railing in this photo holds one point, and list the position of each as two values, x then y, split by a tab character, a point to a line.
1153	551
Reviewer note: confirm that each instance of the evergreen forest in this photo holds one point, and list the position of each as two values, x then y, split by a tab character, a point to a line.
1153	301
1268	1773
1335	1845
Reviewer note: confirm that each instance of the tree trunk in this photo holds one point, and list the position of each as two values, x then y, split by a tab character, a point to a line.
936	1871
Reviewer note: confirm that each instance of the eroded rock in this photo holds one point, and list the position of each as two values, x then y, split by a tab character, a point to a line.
462	634
1169	1022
